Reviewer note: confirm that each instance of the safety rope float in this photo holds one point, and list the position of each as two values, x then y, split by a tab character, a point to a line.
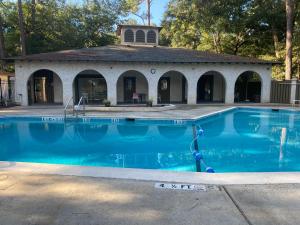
198	156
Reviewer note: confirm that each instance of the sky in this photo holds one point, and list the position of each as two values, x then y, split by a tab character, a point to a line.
158	8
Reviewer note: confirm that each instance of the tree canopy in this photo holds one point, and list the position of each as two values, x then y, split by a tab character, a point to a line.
54	25
254	28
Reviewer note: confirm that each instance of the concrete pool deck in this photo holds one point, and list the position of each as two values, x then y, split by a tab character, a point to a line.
35	199
179	112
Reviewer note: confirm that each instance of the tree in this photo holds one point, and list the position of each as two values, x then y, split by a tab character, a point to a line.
255	28
289	38
134	8
22	28
149	11
2	44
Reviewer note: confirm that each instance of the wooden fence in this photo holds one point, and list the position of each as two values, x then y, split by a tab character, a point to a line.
297	90
281	92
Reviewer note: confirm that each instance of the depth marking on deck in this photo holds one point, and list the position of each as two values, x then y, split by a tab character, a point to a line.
187	187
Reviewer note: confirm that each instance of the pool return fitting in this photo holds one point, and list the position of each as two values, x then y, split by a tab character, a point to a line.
198	156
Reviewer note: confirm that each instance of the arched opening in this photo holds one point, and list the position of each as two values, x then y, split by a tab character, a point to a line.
44	87
172	132
211	87
129	36
130	131
248	87
151	36
132	88
91	85
91	132
172	88
46	133
140	36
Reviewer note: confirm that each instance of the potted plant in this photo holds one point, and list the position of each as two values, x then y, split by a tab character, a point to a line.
149	103
106	103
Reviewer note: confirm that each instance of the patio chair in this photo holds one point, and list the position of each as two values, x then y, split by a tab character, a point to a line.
135	96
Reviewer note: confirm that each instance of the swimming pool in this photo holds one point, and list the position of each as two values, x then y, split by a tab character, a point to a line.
239	140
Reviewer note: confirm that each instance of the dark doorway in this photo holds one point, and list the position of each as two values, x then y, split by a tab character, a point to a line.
211	88
247	88
205	88
92	86
172	88
129	89
164	90
41	88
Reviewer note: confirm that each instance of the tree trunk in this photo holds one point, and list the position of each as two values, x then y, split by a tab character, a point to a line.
33	13
275	41
22	28
289	5
2	44
149	12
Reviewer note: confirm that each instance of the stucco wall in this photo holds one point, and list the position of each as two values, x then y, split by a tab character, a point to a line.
58	91
112	71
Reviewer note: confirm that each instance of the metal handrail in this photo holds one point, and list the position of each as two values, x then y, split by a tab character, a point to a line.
81	101
66	107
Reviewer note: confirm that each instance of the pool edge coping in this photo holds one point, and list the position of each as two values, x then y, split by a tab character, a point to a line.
153	175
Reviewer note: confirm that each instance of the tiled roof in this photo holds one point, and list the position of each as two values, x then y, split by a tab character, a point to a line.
123	53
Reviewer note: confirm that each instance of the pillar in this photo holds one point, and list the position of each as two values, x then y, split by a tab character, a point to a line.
112	91
192	92
152	86
230	80
293	90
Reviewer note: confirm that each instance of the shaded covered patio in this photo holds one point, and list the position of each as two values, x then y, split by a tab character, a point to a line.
132	88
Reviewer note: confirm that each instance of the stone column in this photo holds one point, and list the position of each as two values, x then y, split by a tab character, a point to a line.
21	79
191	79
67	92
192	95
67	78
230	84
152	86
293	90
112	91
266	86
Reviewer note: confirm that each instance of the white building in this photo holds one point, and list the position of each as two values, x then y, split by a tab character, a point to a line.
139	70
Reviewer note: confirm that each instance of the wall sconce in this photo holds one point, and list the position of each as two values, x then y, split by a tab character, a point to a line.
153	71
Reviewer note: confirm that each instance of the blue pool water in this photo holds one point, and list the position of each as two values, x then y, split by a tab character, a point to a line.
240	140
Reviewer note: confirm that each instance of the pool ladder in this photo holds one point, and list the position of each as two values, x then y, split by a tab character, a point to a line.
68	108
74	109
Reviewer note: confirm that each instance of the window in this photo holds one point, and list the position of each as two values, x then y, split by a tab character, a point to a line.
128	36
151	36
140	36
